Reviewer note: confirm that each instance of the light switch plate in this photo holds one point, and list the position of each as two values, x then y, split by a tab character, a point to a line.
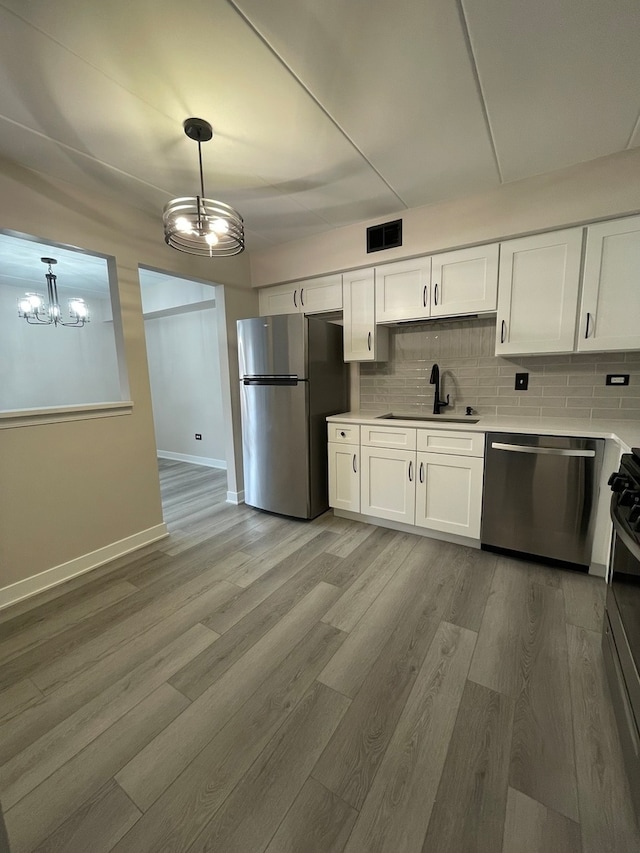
522	382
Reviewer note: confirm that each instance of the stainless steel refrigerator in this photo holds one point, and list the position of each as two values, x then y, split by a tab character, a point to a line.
292	375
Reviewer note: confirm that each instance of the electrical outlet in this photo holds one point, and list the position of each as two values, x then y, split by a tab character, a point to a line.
617	379
198	436
522	382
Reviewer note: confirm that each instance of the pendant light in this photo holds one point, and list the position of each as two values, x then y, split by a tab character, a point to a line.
37	310
199	225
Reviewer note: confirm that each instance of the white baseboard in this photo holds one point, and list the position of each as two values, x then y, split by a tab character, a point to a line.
235	497
59	574
194	460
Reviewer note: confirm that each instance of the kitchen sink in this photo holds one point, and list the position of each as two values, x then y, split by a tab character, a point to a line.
450	419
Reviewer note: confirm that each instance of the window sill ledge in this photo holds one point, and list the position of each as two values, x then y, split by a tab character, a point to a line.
57	414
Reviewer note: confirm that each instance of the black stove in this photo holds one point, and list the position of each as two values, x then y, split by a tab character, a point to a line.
621	637
625	502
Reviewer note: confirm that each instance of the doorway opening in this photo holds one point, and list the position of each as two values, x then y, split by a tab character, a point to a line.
185	335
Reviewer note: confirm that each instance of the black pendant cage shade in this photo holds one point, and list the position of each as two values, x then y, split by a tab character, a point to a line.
199	225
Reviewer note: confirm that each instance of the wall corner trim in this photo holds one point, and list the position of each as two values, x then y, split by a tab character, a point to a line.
235	497
28	587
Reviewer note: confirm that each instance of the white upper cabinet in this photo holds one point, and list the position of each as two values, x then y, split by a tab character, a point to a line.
539	281
402	290
281	299
313	296
363	340
451	284
464	281
610	309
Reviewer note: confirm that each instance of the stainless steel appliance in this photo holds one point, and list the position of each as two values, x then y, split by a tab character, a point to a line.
292	375
621	635
540	495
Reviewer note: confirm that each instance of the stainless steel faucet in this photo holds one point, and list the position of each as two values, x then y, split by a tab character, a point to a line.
435	380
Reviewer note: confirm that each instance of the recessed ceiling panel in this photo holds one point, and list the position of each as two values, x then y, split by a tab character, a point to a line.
561	79
398	79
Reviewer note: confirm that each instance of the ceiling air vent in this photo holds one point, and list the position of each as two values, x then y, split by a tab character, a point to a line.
385	236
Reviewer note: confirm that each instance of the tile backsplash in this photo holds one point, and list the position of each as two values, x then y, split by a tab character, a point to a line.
559	385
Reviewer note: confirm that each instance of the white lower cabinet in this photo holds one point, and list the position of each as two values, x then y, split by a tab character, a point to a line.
437	487
387	483
344	476
449	493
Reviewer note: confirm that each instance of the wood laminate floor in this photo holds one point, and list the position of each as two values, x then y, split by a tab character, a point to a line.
254	684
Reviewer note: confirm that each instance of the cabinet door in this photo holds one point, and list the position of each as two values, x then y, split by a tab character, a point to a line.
281	299
344	477
449	493
321	294
538	287
402	290
363	340
610	310
387	482
465	281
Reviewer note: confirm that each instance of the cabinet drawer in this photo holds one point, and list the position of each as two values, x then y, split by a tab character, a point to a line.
384	436
344	433
451	441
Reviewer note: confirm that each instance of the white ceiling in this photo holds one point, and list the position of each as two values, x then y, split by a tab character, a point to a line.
326	112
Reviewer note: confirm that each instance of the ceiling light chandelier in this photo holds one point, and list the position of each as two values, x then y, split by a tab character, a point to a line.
199	225
38	311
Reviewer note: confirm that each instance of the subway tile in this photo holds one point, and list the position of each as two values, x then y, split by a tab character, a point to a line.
628	403
623	392
571	368
490	401
552	379
614	367
579	378
516	411
589	401
541	401
569	390
565	412
619	414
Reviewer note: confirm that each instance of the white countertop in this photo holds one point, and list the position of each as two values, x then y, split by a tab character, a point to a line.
626	433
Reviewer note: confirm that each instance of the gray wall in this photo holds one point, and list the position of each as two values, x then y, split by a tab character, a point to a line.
44	366
184	370
559	385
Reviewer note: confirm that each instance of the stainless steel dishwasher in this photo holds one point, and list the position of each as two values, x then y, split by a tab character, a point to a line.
540	495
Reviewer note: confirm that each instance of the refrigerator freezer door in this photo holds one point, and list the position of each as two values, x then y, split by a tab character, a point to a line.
273	346
276	447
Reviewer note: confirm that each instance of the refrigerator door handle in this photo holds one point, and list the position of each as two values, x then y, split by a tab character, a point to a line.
270	380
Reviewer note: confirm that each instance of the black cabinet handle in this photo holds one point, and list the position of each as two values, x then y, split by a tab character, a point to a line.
421	473
586	333
302	297
342	433
424	296
355	468
411	471
435	294
369	341
503	329
295	298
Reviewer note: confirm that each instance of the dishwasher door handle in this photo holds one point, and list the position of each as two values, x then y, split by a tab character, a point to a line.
541	451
